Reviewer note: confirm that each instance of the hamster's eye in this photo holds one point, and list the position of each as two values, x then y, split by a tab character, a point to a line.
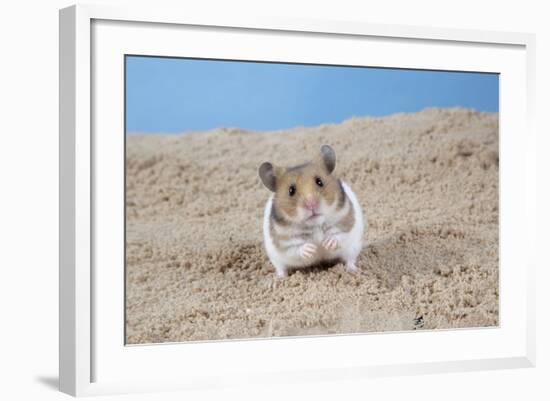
292	190
318	181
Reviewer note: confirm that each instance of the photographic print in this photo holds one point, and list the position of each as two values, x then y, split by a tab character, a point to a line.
282	199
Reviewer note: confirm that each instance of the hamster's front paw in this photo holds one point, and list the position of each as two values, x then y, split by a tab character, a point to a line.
330	243
308	250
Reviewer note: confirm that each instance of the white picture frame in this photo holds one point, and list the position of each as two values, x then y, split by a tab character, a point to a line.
93	357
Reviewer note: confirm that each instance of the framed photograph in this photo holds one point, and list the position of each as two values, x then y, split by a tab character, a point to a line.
243	201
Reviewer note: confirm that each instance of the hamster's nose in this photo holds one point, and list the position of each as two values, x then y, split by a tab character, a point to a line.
311	204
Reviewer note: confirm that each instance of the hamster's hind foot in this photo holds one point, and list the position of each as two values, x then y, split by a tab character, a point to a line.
281	271
351	267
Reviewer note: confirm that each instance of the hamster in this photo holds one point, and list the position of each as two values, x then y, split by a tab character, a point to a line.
311	217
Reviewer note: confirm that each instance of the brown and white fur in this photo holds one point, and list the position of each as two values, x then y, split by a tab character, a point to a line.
312	217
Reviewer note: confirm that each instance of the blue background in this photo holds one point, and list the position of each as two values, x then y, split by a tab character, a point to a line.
168	95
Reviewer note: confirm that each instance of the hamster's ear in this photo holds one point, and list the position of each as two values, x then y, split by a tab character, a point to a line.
267	174
329	158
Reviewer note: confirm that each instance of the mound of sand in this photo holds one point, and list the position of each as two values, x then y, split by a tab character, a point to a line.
428	185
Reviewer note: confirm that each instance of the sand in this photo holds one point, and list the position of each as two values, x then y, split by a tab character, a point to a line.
427	183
